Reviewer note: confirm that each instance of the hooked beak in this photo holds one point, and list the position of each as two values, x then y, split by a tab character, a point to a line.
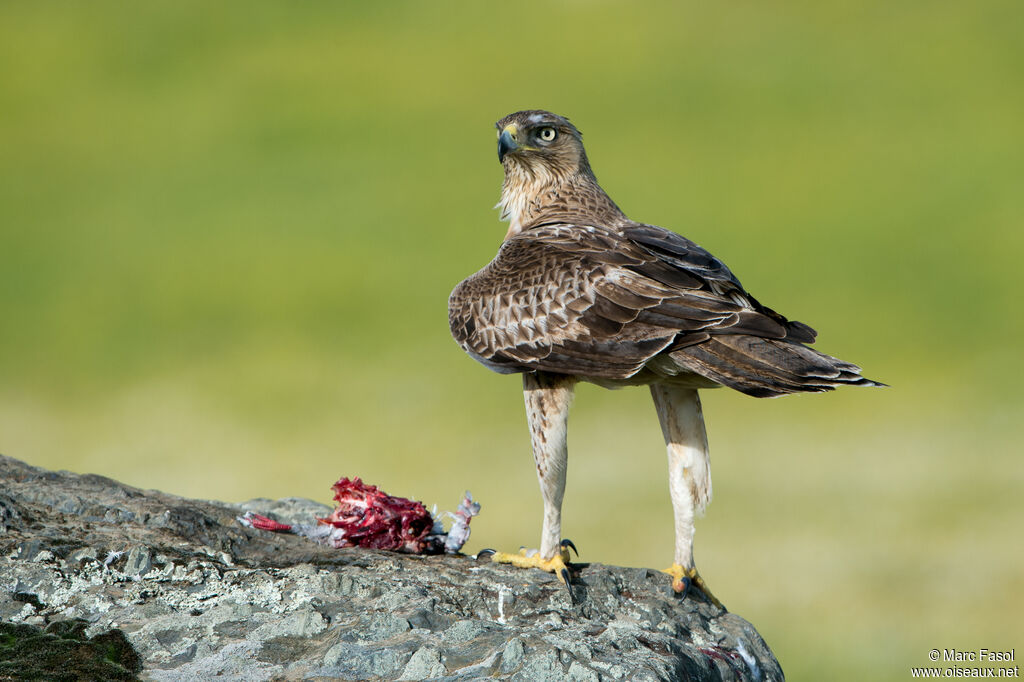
507	141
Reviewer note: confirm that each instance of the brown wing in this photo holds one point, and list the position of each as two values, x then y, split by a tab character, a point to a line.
591	301
600	303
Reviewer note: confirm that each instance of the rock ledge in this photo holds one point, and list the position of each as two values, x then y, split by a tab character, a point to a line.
197	596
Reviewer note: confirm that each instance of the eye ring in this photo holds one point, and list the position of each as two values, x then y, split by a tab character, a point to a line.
547	134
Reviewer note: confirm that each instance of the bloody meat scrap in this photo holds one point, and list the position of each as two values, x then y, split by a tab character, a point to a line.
372	518
366	516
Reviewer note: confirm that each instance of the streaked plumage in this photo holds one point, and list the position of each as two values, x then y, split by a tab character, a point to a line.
580	291
578	288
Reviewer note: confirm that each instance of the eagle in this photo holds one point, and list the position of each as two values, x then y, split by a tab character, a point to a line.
580	292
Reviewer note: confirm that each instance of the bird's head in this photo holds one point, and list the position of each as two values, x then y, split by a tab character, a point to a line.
540	143
547	175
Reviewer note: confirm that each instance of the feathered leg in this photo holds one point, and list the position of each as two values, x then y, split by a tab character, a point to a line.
689	475
547	397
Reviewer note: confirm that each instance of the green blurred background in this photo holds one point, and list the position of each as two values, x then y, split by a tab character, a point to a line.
228	232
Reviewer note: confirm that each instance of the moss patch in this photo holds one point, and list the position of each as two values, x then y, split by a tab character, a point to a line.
61	651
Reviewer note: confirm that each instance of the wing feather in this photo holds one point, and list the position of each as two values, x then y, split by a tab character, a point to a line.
604	303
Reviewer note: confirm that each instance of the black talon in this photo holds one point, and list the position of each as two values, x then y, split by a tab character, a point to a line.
565	579
568	543
687	583
485	552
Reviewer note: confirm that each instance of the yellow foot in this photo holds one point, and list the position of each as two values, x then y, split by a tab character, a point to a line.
558	564
683	578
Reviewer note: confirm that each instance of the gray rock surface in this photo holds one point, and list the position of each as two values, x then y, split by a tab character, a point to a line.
199	597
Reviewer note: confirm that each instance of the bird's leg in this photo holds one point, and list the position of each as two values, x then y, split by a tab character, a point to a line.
689	475
548	397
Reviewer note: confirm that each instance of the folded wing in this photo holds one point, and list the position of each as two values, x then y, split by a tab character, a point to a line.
612	304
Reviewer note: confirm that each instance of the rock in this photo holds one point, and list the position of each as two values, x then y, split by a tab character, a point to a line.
194	595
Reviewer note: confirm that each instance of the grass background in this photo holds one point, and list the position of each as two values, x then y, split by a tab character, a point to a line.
228	232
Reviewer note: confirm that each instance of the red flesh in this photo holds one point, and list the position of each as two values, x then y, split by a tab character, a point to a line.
372	518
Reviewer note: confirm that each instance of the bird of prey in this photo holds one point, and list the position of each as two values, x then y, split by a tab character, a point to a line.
580	292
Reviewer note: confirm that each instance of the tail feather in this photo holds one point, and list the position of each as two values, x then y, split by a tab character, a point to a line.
768	367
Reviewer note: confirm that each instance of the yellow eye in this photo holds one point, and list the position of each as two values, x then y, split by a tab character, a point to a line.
547	134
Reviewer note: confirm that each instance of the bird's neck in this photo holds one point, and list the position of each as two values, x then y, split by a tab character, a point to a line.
533	196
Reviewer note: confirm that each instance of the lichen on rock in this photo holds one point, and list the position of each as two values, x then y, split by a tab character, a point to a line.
199	597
